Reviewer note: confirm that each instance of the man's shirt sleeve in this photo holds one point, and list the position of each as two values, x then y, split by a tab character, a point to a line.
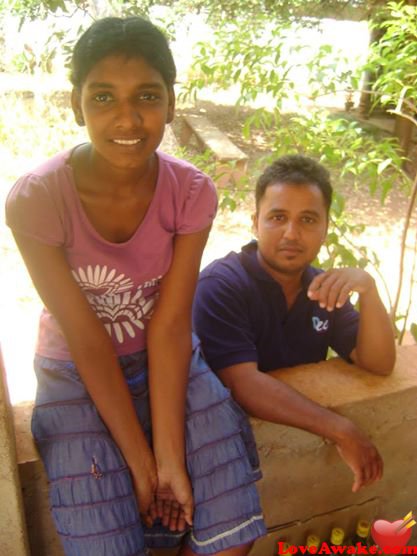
345	330
221	320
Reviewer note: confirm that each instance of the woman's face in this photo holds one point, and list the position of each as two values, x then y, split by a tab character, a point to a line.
125	104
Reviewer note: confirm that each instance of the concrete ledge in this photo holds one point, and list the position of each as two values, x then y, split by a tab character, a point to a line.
13	537
210	136
232	162
43	539
306	487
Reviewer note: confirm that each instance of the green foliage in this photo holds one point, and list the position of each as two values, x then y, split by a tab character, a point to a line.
215	9
255	60
413	330
355	159
255	48
394	56
258	59
36	9
30	61
230	196
339	249
29	10
351	152
262	59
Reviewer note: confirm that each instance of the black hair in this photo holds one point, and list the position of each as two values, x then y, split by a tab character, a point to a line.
131	37
295	170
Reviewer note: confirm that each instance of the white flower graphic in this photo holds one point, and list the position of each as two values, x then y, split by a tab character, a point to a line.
99	282
112	296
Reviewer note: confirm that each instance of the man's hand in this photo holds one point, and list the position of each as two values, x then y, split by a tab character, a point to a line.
361	456
375	345
331	289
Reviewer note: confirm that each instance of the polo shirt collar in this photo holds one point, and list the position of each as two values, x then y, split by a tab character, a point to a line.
250	262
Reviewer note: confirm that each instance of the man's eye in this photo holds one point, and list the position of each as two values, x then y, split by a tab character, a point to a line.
308	220
102	97
277	217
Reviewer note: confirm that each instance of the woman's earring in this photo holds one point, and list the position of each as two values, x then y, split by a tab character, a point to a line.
79	119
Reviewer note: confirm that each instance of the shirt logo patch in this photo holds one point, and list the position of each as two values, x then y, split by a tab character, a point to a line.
320	325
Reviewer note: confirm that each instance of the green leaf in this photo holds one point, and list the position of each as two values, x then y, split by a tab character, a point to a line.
413	330
383	165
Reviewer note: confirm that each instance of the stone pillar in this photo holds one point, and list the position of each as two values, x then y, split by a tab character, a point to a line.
13	538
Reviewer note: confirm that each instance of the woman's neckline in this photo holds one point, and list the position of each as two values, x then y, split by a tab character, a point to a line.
93	231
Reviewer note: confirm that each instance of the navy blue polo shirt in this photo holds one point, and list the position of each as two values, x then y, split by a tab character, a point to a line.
241	315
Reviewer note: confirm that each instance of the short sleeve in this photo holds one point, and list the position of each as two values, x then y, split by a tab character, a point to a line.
221	321
32	211
344	330
200	205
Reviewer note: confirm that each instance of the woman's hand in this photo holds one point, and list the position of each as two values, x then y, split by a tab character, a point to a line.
94	356
169	354
145	482
174	502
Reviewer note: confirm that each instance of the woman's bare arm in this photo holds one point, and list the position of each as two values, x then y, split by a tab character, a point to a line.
169	352
94	356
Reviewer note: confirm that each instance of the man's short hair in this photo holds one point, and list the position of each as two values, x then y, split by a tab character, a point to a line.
295	169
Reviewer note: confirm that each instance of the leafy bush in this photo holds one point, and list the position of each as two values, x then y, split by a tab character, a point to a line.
394	56
255	59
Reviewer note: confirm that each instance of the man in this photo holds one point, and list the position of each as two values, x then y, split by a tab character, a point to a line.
266	308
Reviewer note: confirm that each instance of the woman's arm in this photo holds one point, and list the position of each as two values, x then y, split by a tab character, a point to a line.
94	356
169	353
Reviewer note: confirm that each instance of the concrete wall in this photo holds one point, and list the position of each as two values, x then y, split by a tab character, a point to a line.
13	539
306	487
43	539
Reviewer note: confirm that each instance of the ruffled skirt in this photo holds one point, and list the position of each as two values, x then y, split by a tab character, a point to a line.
91	493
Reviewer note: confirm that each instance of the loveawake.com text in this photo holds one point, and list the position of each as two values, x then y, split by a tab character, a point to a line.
326	548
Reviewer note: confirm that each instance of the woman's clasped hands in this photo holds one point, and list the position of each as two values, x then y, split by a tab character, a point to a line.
163	493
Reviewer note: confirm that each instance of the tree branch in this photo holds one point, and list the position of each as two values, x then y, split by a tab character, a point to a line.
407	223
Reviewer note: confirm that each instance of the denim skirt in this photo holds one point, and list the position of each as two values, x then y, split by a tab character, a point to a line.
91	495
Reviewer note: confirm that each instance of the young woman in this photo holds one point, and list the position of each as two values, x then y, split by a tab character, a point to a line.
142	444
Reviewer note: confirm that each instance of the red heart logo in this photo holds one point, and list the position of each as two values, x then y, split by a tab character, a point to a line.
387	534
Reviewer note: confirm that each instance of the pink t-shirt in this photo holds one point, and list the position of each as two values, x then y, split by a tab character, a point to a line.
120	280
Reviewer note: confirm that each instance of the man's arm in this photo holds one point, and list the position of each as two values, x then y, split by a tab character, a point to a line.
375	346
270	399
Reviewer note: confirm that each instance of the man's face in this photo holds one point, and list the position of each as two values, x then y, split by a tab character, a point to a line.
291	226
